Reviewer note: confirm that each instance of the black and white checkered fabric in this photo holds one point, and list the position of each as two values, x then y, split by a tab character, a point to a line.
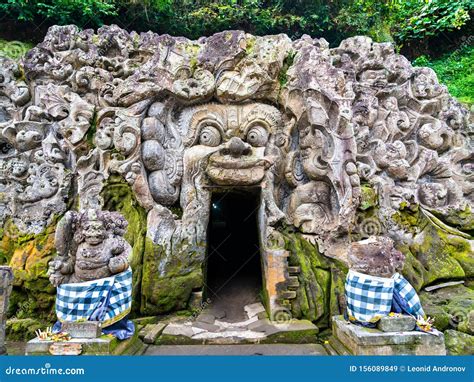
106	300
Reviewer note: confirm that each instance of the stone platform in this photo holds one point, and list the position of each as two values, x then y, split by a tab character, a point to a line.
358	340
104	345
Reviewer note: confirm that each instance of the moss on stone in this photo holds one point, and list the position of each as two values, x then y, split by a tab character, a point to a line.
450	307
29	255
287	63
321	281
118	196
458	343
22	329
165	294
412	269
368	198
250	45
461	219
167	339
437	253
292	337
408	217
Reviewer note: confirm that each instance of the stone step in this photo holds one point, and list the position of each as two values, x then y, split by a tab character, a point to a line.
294	270
288	294
293	282
253	349
337	346
153	332
207	318
104	345
251	331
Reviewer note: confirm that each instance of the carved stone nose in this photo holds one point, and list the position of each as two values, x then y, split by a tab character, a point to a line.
236	147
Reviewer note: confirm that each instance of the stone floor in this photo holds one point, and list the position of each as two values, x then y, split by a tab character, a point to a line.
213	327
257	349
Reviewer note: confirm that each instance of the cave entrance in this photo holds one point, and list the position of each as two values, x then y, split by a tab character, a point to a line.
233	266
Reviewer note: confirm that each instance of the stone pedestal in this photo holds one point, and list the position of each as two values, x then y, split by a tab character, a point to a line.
364	341
6	280
90	346
87	329
104	345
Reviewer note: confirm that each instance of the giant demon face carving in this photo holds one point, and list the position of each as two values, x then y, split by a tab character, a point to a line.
239	141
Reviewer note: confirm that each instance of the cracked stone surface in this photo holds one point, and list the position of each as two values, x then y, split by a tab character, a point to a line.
251	329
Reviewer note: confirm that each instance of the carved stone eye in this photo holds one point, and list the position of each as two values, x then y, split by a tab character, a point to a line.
257	136
209	136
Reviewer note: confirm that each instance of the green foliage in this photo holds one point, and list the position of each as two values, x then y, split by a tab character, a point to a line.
81	12
456	71
403	21
417	20
392	20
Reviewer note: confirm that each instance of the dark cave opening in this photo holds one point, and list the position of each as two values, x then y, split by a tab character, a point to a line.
233	267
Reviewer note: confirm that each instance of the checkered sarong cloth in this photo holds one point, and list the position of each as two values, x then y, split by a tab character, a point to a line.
368	297
107	300
408	294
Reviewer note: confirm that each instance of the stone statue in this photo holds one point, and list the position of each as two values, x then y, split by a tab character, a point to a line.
90	246
375	256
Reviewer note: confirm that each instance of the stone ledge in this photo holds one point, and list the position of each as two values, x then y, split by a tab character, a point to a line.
90	346
104	345
364	341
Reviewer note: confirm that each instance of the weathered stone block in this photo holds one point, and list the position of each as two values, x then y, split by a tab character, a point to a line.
90	346
86	329
152	332
364	341
397	323
195	301
254	309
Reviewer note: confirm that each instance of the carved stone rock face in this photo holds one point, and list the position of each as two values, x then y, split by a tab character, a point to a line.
236	139
311	130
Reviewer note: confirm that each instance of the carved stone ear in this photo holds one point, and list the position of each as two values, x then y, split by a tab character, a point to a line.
9	133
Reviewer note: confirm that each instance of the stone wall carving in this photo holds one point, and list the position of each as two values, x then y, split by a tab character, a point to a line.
309	125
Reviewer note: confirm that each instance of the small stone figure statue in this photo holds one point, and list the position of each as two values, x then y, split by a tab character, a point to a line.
375	256
90	246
